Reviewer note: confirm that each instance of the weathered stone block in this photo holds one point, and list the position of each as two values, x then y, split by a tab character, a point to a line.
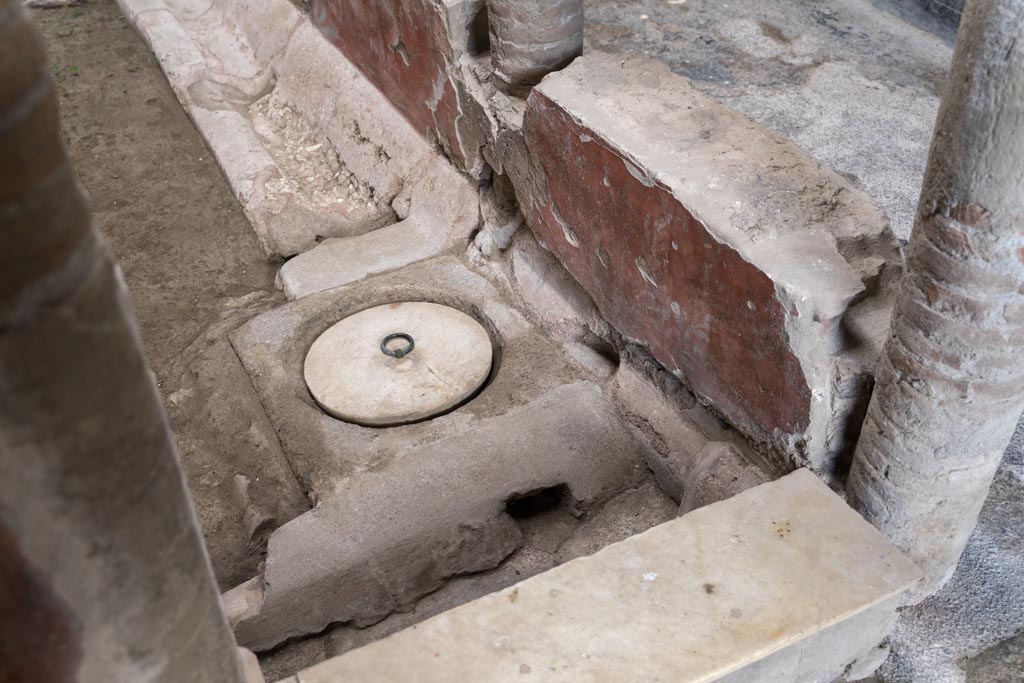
338	262
781	584
388	536
751	272
550	293
719	472
685	443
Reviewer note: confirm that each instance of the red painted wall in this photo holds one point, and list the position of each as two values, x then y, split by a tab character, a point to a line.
659	276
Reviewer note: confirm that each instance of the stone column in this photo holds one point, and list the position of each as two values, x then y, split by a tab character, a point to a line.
950	383
103	574
532	38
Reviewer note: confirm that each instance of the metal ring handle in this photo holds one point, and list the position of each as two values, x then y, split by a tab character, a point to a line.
400	352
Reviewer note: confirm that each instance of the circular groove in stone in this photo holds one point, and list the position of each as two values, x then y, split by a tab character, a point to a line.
352	379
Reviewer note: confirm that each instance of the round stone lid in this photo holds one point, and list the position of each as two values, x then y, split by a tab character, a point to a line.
398	363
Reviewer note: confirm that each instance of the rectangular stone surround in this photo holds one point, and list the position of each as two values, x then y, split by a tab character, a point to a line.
324	451
781	584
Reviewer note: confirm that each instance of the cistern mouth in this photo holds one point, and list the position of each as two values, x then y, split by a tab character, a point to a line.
398	363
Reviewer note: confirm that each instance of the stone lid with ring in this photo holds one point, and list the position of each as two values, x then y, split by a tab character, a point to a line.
398	363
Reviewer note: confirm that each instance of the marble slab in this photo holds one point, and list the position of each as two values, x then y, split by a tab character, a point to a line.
783	582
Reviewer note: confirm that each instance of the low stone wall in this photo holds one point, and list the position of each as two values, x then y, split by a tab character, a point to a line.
750	271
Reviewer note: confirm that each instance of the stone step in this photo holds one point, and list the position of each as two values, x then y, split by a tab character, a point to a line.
780	584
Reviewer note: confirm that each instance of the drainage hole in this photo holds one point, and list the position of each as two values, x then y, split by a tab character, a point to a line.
537	502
